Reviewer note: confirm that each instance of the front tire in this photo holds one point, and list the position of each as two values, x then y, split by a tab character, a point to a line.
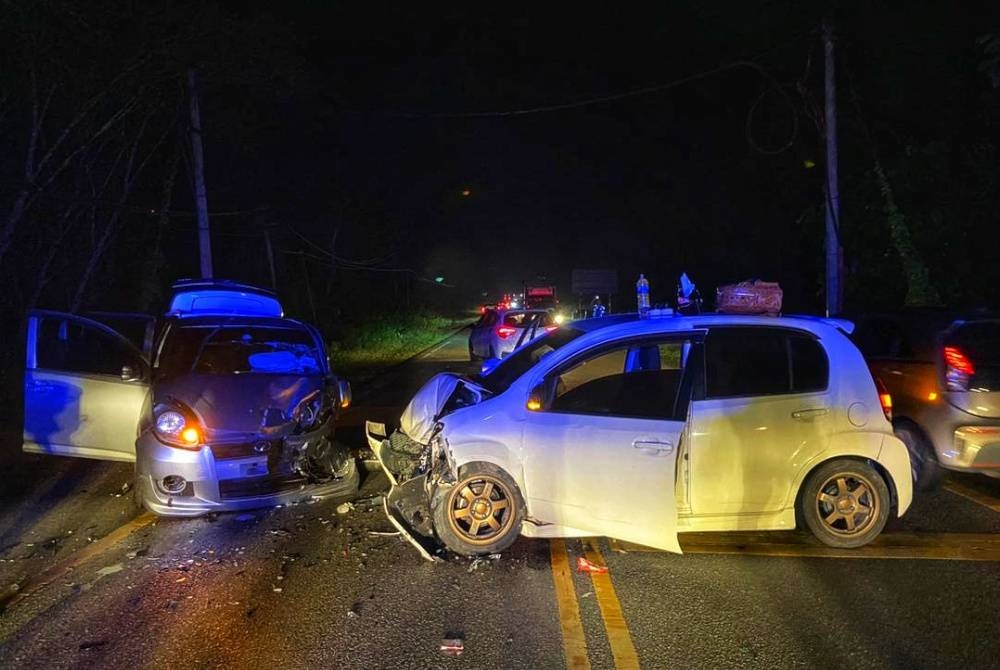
845	503
481	513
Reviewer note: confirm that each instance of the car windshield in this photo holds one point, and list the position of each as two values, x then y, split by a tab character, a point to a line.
207	349
519	319
523	359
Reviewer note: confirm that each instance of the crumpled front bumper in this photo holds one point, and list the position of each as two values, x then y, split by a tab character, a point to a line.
215	483
414	477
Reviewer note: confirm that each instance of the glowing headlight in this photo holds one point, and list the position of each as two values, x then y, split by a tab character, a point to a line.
170	423
559	318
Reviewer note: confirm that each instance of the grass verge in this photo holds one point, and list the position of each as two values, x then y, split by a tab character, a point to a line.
362	350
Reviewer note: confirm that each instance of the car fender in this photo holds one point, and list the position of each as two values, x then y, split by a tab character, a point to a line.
885	450
488	451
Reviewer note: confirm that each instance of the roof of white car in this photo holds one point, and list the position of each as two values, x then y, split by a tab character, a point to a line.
625	324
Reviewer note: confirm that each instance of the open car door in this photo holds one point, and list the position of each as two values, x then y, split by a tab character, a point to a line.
601	440
84	387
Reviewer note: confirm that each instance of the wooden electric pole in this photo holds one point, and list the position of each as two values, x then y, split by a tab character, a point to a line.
198	164
832	191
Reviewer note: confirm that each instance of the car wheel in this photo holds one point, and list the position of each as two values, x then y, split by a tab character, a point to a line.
927	472
845	503
481	513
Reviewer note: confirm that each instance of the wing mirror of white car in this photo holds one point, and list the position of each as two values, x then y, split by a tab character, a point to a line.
536	399
129	374
488	366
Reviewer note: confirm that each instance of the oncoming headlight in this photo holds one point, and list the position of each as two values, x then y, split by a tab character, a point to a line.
173	428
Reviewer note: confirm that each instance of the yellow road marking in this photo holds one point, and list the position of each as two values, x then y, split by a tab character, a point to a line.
619	638
76	559
898	545
972	494
574	641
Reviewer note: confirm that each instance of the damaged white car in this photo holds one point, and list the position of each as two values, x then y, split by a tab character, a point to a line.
223	404
641	429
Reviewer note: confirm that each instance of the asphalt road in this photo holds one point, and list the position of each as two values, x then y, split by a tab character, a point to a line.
88	580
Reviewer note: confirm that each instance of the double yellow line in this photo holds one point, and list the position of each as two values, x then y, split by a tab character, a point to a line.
574	640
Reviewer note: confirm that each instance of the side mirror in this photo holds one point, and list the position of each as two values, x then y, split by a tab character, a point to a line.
536	399
489	365
344	393
129	374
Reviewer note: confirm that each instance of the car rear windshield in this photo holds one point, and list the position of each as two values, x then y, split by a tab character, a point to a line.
523	359
519	319
980	343
238	350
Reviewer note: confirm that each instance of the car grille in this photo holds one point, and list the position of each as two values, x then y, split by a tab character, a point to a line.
236	450
259	486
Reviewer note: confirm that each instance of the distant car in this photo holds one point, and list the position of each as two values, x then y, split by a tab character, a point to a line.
499	332
230	406
642	428
942	369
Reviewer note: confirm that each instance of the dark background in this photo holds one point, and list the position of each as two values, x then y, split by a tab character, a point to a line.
349	132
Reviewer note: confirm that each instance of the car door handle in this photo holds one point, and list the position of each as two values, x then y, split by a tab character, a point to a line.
653	447
808	414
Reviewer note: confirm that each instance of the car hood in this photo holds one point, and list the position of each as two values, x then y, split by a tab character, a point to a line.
240	403
442	394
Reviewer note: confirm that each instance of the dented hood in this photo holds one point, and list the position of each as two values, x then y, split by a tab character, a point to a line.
420	415
239	402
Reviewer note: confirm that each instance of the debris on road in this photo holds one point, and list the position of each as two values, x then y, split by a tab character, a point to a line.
280	532
92	644
583	565
452	646
110	570
126	487
344	508
480	561
381	533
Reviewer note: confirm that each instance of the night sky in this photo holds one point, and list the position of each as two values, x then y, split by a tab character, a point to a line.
492	145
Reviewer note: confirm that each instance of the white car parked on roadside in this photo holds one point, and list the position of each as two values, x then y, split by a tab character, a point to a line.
640	429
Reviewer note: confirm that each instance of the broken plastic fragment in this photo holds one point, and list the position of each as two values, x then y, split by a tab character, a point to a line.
583	565
452	646
110	569
344	508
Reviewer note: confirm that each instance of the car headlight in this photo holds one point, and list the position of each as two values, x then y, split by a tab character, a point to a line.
173	428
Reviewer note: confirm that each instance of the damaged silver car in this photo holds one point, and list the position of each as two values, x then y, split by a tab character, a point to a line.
223	404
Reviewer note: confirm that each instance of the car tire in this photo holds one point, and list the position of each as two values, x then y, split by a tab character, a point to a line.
481	513
845	503
927	472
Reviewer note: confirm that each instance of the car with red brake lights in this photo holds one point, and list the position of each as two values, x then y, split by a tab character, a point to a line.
499	332
942	369
229	405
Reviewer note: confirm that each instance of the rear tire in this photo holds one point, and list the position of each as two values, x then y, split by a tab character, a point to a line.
480	514
845	503
924	467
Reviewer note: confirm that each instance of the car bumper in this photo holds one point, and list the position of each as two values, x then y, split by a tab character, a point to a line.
964	442
214	484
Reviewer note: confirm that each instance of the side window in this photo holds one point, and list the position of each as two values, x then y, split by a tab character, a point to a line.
70	346
638	379
810	366
746	361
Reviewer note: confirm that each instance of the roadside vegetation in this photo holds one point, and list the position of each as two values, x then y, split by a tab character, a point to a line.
361	349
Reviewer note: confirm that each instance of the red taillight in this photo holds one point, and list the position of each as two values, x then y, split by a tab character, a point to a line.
549	329
954	357
505	331
884	398
958	371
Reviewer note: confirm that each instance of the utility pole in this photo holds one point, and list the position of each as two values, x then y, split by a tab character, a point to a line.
832	191
198	160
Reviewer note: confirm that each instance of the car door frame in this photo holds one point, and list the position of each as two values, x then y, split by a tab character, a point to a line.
657	495
129	396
